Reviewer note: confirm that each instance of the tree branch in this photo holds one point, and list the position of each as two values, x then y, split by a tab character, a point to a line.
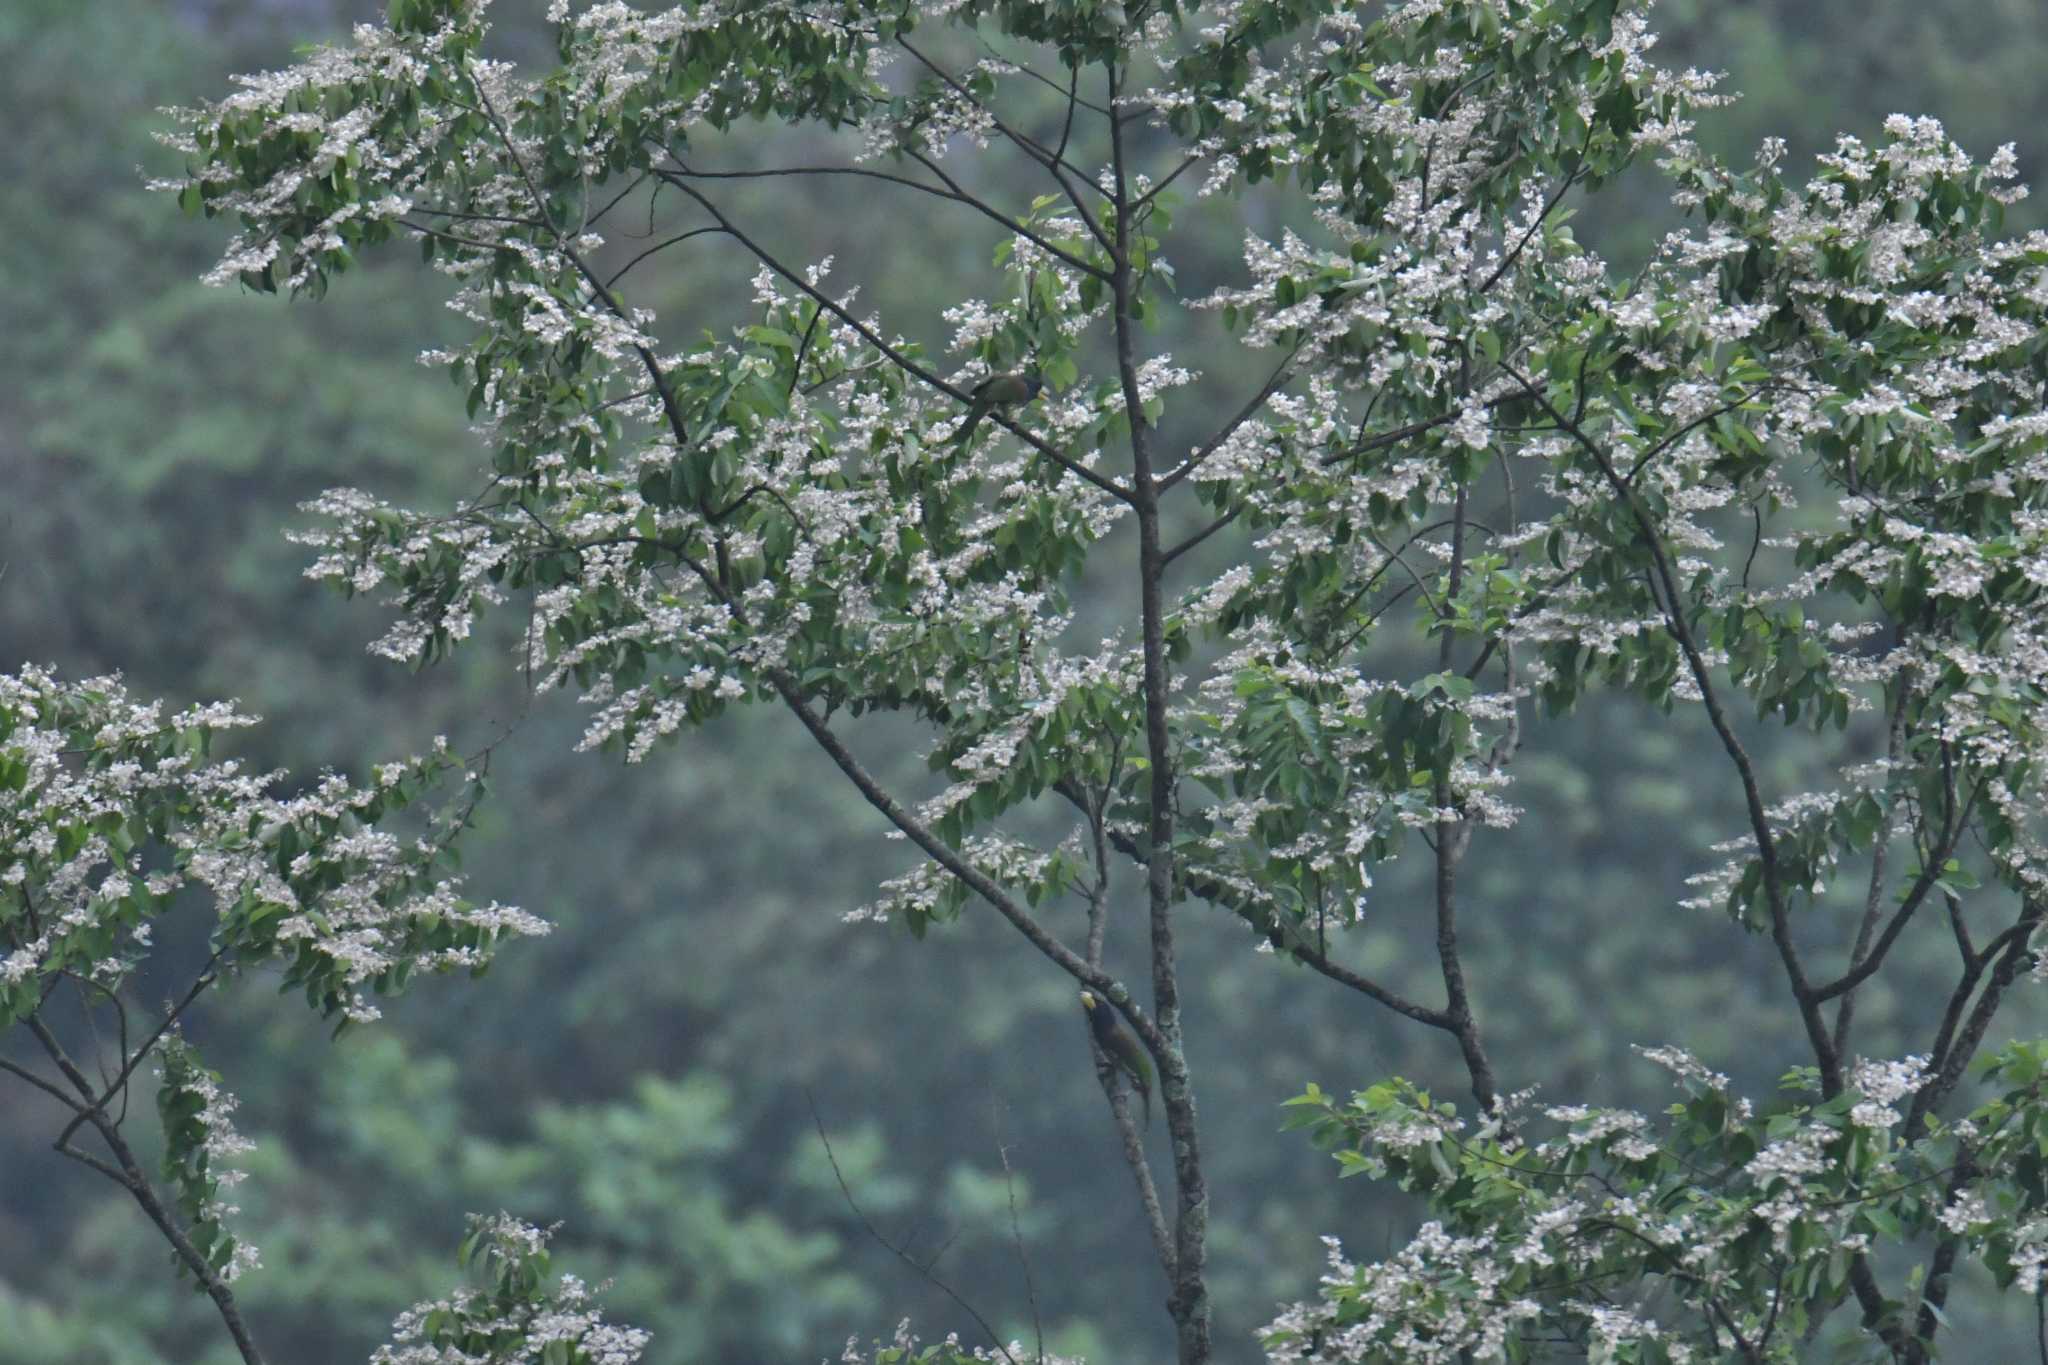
1056	165
1189	1302
1450	848
951	191
128	1174
1281	373
896	356
1845	1011
1952	827
1817	1034
946	856
2014	951
924	1271
1017	1237
205	978
1218	895
1198	537
620	273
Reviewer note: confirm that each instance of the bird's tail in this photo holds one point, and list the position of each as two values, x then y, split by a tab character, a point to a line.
974	416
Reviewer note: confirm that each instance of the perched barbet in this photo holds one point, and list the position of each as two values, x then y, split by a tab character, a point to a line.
1124	1050
998	391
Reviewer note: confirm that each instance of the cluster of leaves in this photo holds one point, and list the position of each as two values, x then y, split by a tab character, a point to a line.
821	540
199	1142
763	534
518	1315
108	810
1726	1231
1437	143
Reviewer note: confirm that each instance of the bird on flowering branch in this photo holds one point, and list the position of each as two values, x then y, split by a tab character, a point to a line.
999	391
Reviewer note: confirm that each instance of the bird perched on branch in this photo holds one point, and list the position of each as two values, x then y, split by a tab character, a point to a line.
1125	1051
999	391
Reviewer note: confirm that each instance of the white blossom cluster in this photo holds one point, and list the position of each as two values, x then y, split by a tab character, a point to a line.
508	1323
1618	1199
903	1346
1395	313
112	810
851	535
211	1160
794	510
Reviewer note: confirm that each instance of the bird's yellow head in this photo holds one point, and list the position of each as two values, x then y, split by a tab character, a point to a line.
1087	1000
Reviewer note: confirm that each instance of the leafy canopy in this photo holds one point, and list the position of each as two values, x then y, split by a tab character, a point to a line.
1569	478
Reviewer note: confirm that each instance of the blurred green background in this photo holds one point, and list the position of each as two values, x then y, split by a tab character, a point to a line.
646	1074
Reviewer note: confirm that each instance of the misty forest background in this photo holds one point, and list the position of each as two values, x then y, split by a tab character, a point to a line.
645	1075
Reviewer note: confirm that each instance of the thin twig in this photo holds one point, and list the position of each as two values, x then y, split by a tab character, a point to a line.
896	355
923	1269
205	978
1070	92
1056	166
1450	849
1564	187
53	1091
948	188
1281	374
1874	892
1198	537
1954	823
1188	1301
1017	1233
620	273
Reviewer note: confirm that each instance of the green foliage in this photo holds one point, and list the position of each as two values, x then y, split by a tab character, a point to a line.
1536	1233
738	522
199	1138
98	846
517	1313
1623	808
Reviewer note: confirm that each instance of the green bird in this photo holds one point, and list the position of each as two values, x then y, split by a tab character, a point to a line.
999	391
1125	1051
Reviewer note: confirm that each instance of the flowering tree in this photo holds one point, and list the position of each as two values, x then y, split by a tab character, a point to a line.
1459	419
111	816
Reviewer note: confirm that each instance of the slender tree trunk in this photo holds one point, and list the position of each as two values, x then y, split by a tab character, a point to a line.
1188	1302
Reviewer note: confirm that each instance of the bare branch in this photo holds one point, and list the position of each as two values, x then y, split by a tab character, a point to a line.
1198	537
1056	165
2014	951
1188	1303
1954	822
53	1091
1874	892
1219	895
1148	196
620	273
1451	839
952	190
950	858
1132	1139
207	976
1017	1234
923	1269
